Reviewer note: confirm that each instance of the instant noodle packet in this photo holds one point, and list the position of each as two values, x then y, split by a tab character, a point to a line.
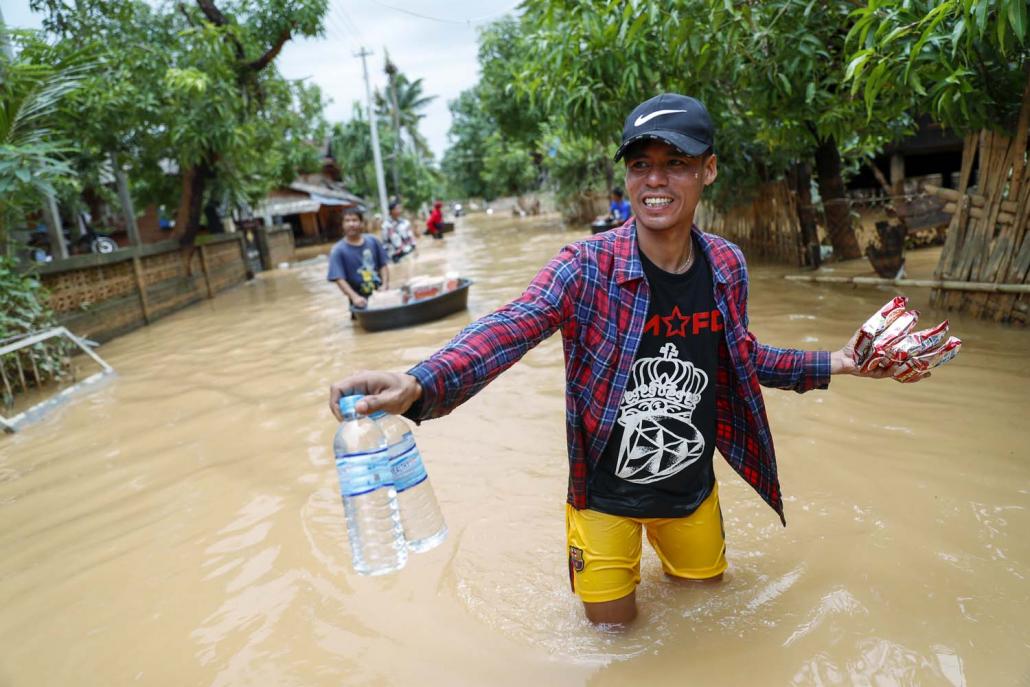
897	330
922	363
875	326
918	343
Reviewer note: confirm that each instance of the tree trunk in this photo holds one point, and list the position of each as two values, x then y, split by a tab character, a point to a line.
214	220
831	188
191	204
802	178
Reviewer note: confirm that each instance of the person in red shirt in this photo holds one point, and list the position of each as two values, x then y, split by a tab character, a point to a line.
434	225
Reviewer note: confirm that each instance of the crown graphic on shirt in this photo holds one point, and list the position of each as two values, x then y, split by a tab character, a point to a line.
666	384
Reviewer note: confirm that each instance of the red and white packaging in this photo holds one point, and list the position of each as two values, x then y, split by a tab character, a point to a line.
927	361
876	324
918	343
898	329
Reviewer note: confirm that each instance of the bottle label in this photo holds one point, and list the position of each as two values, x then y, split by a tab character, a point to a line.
361	473
408	470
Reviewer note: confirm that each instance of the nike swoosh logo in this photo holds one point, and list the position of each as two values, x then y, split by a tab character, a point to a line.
644	119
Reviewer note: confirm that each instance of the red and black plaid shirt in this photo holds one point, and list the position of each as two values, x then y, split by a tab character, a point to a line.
595	292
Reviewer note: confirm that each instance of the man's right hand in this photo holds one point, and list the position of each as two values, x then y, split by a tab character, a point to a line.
359	301
388	391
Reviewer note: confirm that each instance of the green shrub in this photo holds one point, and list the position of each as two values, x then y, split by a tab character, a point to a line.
23	311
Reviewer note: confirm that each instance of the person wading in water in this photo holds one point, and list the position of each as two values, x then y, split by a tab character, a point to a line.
660	370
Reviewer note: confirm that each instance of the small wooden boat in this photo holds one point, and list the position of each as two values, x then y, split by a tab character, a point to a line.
599	225
416	312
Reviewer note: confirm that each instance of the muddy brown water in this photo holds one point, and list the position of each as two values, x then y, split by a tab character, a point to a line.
180	525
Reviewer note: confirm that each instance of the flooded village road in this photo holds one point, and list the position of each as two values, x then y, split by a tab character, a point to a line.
181	525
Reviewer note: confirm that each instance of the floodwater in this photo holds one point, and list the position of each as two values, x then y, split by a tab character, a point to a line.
180	525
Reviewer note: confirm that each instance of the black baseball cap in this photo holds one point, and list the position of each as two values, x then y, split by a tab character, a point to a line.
679	120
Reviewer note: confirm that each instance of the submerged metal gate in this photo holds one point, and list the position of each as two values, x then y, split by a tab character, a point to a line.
11	424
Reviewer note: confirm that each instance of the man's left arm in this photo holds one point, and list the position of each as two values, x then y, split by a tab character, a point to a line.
801	371
384	270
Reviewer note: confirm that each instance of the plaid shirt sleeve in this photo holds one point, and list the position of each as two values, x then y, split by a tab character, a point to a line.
784	368
495	342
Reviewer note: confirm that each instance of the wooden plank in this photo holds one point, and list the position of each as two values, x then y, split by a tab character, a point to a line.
203	267
956	230
981	287
141	286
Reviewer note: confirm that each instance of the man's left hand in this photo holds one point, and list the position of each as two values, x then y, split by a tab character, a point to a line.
842	362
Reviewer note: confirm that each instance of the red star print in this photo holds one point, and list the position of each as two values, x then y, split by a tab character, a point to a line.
683	320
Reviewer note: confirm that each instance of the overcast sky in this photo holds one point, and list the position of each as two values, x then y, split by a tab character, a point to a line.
441	51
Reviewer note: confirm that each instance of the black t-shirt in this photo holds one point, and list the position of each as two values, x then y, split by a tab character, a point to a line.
658	460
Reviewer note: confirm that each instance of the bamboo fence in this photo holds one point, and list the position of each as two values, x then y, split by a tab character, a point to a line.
767	227
987	239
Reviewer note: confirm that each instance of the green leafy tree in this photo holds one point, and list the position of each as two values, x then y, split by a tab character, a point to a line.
965	61
408	109
196	85
464	160
351	145
33	157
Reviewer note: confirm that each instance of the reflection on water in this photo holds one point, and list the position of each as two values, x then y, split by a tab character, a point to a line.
183	519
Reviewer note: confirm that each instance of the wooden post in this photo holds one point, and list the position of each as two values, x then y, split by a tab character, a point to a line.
203	267
897	186
52	217
131	228
141	287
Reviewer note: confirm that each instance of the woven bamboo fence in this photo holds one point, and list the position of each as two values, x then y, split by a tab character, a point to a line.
987	239
767	228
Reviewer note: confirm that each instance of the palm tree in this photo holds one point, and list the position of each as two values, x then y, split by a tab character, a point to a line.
31	158
410	101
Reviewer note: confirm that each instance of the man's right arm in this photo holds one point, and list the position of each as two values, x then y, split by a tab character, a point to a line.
497	341
478	354
355	298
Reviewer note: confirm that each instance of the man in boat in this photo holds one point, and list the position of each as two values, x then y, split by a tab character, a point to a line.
661	370
397	233
358	263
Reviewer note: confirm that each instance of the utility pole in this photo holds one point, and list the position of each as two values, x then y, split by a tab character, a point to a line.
376	155
51	214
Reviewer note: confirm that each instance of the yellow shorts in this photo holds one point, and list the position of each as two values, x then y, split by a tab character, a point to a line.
604	550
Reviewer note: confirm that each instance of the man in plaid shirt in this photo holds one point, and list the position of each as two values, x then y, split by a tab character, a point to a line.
660	369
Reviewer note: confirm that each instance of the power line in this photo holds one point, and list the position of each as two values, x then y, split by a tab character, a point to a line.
444	20
349	19
341	27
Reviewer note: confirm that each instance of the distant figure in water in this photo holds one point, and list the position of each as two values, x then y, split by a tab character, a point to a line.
618	209
434	225
397	233
661	369
358	263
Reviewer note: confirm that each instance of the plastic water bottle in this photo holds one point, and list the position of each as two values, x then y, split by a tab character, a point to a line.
369	497
423	523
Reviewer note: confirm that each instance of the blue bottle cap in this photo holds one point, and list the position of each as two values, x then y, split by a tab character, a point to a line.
378	414
348	403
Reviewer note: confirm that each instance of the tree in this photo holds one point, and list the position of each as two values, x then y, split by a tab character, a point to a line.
33	160
410	101
463	162
196	85
966	62
351	146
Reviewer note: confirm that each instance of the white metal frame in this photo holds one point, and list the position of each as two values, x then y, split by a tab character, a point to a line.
11	424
